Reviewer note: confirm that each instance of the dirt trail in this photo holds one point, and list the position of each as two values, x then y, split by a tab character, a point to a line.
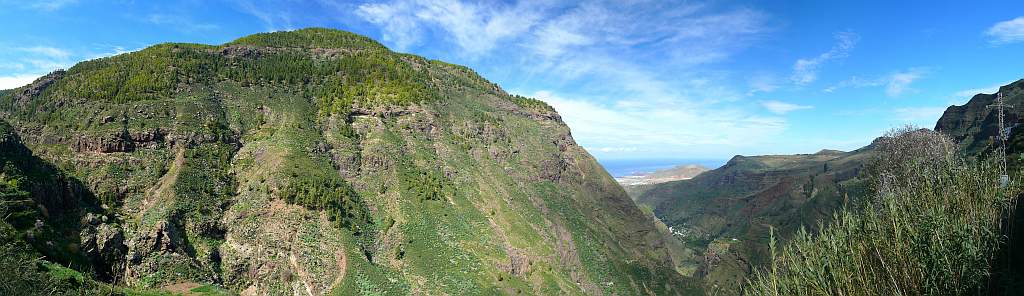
163	186
342	266
183	288
303	276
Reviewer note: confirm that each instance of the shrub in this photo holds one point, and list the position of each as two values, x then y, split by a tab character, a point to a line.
930	228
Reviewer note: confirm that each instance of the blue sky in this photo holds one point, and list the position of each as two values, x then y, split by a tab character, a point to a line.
633	79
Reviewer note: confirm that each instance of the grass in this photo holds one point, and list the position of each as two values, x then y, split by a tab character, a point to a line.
931	227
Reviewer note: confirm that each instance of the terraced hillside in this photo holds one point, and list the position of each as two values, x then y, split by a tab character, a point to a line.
311	162
723	216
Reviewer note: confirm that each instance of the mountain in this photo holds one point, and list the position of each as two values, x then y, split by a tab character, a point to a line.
637	184
311	162
975	126
724	215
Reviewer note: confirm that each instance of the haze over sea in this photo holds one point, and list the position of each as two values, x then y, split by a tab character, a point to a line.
626	167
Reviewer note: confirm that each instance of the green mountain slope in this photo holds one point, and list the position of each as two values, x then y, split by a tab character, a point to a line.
975	126
724	215
319	162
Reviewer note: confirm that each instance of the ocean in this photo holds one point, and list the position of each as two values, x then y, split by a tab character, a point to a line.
626	167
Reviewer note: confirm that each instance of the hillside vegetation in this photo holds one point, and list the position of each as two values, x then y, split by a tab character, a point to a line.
313	162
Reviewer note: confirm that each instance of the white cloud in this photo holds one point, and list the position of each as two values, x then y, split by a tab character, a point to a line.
969	93
763	83
661	127
1010	31
275	17
779	107
806	70
555	37
46	51
113	51
475	27
919	114
854	82
179	22
15	81
896	83
22	65
399	29
44	5
616	149
684	33
899	82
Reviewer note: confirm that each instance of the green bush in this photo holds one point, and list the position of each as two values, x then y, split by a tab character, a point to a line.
532	104
425	184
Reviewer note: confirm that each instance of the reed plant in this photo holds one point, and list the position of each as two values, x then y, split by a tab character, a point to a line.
930	227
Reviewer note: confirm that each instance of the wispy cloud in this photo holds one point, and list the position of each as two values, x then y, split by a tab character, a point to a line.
899	82
42	5
762	83
476	28
273	15
896	83
1010	31
624	100
398	28
779	107
687	33
38	59
22	65
661	127
179	22
806	70
50	52
14	81
855	82
919	114
969	93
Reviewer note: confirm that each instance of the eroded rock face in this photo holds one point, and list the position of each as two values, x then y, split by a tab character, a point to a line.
103	242
162	238
118	142
37	87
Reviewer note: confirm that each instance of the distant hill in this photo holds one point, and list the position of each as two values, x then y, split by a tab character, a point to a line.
636	184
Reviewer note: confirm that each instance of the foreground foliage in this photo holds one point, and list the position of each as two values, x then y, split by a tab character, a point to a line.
932	227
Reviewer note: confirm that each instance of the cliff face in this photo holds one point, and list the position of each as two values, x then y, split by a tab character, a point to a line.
974	125
318	161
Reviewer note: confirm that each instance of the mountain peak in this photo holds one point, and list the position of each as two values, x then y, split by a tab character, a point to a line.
1019	84
310	38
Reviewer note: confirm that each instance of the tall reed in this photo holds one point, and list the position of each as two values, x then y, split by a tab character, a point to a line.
931	227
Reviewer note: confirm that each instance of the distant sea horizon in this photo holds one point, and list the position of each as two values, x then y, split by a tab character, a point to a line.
627	167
